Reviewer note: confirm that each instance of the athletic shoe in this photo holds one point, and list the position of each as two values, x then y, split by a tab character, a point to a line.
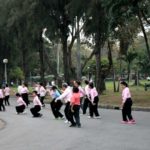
62	118
66	121
24	112
90	117
97	117
124	122
131	122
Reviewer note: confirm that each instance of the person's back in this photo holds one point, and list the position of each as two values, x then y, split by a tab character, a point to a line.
75	99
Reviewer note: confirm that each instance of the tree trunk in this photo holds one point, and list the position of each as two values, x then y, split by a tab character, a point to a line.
41	55
65	60
128	72
144	33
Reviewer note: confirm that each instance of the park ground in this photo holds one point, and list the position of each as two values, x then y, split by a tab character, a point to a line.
22	132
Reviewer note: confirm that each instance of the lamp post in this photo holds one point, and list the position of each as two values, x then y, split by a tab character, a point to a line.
5	61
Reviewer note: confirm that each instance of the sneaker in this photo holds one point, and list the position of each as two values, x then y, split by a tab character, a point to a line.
124	122
62	118
97	117
131	122
24	112
66	121
90	117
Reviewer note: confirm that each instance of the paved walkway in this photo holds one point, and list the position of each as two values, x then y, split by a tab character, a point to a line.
22	132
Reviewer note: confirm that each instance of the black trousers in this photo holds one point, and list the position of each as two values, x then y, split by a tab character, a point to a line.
126	110
20	109
94	108
25	98
35	111
75	115
2	105
42	99
7	100
67	111
85	105
56	106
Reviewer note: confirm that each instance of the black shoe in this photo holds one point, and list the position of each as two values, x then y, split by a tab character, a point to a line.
79	126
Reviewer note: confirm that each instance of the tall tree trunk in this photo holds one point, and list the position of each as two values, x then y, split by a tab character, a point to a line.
129	72
41	55
144	33
112	64
65	60
78	52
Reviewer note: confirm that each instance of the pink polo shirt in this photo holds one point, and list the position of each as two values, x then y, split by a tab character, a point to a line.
20	101
36	101
125	94
93	94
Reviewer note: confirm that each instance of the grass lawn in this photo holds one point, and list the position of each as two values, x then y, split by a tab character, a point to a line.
139	95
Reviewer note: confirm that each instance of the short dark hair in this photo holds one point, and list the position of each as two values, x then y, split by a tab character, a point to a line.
91	85
78	82
65	85
86	82
41	84
54	87
18	95
75	89
124	83
35	92
6	85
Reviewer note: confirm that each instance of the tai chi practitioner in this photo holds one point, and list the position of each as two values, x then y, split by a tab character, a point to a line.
21	104
66	96
94	99
7	94
75	108
37	105
126	104
56	106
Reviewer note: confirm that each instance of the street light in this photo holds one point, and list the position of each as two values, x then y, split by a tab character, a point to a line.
5	61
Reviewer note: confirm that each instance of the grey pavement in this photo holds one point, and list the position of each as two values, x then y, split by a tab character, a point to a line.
22	132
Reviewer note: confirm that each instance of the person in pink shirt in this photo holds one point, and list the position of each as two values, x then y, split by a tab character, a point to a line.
94	99
1	99
37	105
7	94
75	108
21	104
126	104
24	93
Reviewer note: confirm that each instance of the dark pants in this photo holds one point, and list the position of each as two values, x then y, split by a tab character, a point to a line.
35	111
56	106
94	108
126	111
67	111
1	104
20	109
7	100
75	115
81	103
85	105
25	98
42	100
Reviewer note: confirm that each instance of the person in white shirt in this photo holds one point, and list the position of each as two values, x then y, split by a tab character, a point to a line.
24	94
66	96
1	99
37	105
19	89
42	92
21	104
7	94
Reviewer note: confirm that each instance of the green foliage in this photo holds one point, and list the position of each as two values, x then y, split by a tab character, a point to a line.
16	74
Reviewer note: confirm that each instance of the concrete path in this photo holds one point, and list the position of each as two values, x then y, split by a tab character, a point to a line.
22	132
